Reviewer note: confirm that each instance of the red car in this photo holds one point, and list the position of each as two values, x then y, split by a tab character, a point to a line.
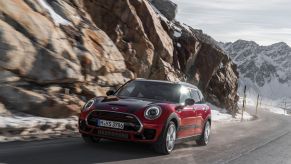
158	112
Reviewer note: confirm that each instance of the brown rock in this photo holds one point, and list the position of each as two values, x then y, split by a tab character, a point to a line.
54	89
20	99
157	35
222	89
121	22
104	44
104	52
91	91
60	111
204	64
31	102
166	7
66	10
164	71
3	110
27	39
7	76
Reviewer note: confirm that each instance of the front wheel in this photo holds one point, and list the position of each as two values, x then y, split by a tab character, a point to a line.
204	139
90	139
166	142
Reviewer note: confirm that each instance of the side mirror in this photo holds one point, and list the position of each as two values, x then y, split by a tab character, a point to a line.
189	102
110	93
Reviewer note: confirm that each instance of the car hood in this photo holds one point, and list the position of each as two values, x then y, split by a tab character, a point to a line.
130	105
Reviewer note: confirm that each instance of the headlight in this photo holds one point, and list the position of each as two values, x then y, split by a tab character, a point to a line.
88	105
152	112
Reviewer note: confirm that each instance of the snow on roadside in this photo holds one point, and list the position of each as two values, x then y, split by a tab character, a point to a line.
246	116
18	127
276	110
56	17
273	109
26	127
30	121
220	114
217	116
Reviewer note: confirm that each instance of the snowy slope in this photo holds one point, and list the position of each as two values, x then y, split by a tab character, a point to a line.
263	69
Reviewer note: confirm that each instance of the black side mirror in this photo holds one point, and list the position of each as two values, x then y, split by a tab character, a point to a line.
189	102
110	93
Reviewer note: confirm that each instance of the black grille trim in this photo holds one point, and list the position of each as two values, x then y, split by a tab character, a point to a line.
131	122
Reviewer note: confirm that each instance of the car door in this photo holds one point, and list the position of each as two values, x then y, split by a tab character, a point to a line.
187	115
203	112
198	110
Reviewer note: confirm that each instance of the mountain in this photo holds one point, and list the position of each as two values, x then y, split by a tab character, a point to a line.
56	54
263	69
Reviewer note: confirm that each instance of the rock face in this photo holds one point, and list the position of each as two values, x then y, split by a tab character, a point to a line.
4	111
166	7
63	52
205	64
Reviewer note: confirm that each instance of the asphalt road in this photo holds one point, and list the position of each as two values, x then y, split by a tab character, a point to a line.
266	140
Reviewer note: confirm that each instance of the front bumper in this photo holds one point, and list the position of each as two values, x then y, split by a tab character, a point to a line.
148	134
134	129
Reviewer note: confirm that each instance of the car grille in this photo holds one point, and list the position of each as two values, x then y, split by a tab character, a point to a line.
131	123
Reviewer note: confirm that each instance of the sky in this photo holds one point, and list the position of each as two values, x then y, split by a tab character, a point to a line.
263	21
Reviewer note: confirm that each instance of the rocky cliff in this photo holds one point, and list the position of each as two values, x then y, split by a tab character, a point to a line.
56	54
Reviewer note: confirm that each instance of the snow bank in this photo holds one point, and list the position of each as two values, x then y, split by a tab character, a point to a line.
26	127
217	116
276	110
30	121
220	114
246	116
264	106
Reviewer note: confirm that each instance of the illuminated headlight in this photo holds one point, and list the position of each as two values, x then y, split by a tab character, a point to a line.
152	112
88	105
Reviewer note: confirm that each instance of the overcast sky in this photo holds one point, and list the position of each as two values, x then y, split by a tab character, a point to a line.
263	21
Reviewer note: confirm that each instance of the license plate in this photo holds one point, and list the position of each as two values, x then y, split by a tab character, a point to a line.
111	124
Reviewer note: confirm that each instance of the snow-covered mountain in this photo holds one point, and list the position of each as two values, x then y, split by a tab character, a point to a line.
263	69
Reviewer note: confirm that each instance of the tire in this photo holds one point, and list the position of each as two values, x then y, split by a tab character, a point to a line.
90	139
204	139
166	142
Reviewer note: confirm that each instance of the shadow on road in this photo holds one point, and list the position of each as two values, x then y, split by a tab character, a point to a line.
112	151
76	151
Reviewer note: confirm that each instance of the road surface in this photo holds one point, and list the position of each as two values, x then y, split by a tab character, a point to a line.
266	140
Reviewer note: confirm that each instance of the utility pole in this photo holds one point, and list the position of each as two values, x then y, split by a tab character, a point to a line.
285	109
257	105
244	104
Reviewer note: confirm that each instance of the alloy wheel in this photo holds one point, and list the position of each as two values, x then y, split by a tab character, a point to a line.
171	137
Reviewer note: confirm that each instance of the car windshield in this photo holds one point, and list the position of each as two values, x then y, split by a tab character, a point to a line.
151	90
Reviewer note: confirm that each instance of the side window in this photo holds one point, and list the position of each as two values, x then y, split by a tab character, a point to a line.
185	94
201	97
195	95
